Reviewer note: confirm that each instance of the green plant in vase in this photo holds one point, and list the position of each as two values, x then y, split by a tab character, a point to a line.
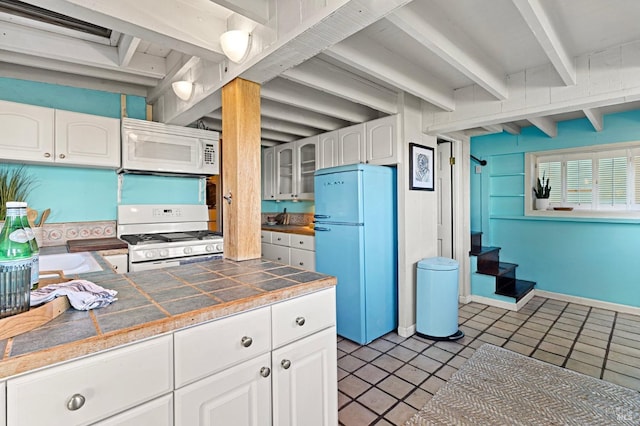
15	185
542	192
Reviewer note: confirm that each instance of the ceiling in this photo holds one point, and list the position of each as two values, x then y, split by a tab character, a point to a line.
475	66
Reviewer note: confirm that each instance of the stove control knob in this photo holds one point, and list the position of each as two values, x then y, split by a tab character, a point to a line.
164	253
219	247
187	250
209	247
149	254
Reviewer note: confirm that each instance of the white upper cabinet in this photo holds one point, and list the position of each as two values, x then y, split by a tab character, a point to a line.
328	150
45	135
268	174
87	140
295	163
27	132
351	145
382	140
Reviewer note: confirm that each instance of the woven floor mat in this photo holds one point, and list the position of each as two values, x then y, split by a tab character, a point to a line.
500	387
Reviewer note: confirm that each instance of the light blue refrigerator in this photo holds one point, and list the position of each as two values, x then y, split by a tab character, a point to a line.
356	241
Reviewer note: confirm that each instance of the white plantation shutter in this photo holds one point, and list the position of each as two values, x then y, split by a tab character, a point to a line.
553	171
612	181
579	181
635	162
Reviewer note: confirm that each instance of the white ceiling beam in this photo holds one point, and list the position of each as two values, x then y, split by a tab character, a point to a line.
185	26
256	10
268	143
333	80
76	69
493	128
19	39
539	23
511	128
303	97
289	113
276	125
546	125
126	48
277	136
426	24
359	53
179	64
595	118
203	106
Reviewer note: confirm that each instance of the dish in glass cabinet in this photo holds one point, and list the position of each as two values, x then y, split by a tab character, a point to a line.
563	209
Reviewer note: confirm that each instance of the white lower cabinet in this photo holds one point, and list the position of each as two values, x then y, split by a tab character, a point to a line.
290	249
158	412
94	388
304	382
238	396
119	262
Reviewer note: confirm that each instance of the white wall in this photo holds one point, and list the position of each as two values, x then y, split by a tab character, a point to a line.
417	215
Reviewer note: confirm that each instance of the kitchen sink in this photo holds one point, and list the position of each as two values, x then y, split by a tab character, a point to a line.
69	263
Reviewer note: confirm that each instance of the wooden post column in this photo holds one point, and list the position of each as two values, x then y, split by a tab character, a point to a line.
241	169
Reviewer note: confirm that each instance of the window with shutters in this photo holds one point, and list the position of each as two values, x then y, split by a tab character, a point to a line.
602	180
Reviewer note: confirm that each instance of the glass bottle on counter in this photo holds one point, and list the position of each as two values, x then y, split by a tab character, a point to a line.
35	250
15	264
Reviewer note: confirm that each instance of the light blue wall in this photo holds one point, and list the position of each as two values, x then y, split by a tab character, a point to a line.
297	207
596	259
85	194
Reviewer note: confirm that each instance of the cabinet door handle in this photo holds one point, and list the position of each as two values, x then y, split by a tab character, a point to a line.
47	155
285	364
301	263
62	156
246	341
301	242
265	371
75	402
300	321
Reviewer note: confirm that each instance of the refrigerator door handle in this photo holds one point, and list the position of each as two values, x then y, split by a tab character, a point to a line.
321	216
320	228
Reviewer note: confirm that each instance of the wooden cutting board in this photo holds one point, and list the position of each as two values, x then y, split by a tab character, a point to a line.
94	244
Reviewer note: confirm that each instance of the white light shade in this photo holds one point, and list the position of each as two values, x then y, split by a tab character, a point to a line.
182	89
235	44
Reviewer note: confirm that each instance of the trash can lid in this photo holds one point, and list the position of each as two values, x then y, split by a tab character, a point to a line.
438	264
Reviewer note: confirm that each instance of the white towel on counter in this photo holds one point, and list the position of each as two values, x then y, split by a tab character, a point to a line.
83	295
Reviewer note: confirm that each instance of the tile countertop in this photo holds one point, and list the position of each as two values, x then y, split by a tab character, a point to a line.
289	229
155	302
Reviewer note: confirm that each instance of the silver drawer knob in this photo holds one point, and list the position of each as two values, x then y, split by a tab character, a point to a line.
47	155
75	402
246	341
62	156
285	364
265	371
300	321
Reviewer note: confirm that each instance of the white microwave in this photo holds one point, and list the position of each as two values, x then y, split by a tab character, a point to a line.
157	148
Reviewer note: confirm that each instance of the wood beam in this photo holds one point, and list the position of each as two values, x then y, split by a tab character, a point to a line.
316	120
546	125
256	10
126	48
428	26
539	23
276	125
595	118
511	128
241	169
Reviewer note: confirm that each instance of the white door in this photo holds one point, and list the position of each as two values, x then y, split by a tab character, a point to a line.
328	150
443	189
382	140
239	396
351	145
305	381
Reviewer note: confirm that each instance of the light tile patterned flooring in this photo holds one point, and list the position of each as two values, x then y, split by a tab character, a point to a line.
388	380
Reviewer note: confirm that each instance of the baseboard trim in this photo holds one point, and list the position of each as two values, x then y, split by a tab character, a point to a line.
501	303
589	302
407	331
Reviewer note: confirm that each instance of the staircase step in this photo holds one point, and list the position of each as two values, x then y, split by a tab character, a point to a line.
517	289
476	240
499	269
480	250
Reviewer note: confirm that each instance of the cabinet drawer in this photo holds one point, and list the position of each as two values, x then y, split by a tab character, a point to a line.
281	238
303	259
265	236
205	349
304	242
303	316
110	382
158	412
276	253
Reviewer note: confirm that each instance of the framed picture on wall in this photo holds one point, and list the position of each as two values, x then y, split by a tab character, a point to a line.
421	167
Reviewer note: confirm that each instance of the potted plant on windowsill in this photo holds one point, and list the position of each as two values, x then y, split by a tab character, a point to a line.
542	192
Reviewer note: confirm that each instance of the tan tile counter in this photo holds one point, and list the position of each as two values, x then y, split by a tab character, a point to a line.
289	229
155	302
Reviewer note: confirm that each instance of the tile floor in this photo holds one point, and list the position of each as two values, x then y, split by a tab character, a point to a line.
388	380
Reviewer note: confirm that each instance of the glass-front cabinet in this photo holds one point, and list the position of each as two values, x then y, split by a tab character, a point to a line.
295	163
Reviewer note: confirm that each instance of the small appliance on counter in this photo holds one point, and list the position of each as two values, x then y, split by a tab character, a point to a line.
160	236
355	236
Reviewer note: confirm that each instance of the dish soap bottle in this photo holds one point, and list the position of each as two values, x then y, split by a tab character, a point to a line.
15	264
35	250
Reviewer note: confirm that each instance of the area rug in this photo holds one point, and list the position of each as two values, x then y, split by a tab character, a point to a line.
500	387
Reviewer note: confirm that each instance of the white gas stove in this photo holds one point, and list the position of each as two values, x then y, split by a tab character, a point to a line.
167	235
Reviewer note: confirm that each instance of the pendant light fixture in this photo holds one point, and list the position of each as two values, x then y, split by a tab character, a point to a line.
236	45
